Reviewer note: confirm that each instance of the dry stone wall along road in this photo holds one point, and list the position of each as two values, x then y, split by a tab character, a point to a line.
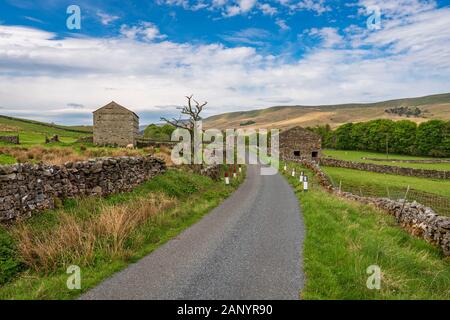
250	247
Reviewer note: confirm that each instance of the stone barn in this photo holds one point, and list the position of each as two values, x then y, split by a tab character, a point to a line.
115	125
299	143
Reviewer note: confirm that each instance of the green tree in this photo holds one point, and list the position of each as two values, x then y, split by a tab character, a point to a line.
359	136
446	140
403	138
379	133
327	135
161	133
344	137
431	138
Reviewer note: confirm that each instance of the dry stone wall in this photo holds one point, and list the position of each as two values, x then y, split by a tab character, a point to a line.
411	172
27	188
428	161
10	139
417	219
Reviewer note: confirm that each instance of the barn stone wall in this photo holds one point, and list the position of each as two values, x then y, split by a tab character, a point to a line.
26	188
115	126
403	171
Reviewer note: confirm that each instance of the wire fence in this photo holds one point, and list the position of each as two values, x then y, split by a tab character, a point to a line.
440	204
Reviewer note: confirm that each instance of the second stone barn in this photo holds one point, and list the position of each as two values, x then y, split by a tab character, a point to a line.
299	143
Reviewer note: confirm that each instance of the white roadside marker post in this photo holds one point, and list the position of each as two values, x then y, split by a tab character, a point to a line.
285	167
227	179
293	172
305	184
240	169
302	175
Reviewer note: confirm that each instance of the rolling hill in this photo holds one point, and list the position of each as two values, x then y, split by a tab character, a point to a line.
432	107
31	131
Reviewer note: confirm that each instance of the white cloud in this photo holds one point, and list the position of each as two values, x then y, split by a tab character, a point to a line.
349	65
145	30
106	18
240	7
398	8
282	24
317	6
267	9
330	36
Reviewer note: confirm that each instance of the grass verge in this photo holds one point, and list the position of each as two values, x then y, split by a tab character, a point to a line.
102	236
344	238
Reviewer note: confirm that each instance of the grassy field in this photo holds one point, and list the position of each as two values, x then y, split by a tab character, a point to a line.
33	132
356	156
344	238
102	236
433	193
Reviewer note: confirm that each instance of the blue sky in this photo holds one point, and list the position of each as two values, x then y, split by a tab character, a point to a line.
236	54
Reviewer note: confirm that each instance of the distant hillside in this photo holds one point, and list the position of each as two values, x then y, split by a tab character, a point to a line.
31	131
432	107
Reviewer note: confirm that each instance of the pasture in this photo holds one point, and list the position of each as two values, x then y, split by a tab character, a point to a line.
433	193
357	156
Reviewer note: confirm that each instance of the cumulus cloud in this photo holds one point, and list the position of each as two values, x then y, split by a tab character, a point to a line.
407	57
267	9
145	30
231	8
317	6
106	18
330	36
240	7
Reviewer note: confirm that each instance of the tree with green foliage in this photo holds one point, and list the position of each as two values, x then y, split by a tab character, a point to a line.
160	133
430	138
379	133
344	137
446	141
403	138
327	135
359	136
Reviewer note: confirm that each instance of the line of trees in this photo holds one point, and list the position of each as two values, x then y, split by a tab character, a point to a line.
431	138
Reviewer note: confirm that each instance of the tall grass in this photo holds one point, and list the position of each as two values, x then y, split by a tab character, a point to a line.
75	240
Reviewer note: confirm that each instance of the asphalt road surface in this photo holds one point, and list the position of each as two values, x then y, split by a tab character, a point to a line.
250	247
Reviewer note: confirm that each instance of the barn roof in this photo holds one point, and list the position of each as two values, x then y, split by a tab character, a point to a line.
116	105
302	131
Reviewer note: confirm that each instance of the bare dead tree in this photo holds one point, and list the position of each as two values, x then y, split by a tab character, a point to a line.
191	111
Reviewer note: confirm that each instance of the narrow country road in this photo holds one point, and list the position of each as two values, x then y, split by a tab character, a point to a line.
249	247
